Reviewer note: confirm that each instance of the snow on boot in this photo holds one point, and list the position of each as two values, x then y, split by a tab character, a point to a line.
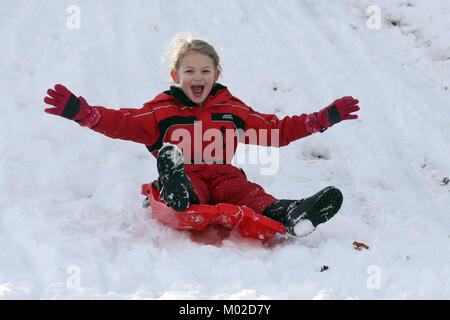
176	187
301	217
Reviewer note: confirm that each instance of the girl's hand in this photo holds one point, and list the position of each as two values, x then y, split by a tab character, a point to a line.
337	111
67	105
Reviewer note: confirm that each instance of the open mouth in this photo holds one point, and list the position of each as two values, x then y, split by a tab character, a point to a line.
197	90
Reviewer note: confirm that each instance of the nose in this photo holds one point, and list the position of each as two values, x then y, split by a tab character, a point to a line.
197	76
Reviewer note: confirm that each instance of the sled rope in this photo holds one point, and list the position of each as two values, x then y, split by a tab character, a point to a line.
242	217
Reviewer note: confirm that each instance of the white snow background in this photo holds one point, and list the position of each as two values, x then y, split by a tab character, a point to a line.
71	221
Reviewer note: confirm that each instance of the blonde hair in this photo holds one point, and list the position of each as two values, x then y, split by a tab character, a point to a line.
183	45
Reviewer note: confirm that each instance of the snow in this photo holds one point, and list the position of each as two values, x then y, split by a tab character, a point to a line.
72	225
303	228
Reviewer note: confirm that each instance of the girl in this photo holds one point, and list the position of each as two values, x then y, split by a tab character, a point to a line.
206	121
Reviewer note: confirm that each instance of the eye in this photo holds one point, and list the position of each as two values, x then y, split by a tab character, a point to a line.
206	71
188	71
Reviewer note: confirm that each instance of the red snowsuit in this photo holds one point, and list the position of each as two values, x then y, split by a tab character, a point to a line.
207	134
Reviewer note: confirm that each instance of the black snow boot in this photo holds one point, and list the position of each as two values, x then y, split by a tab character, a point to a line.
301	217
176	187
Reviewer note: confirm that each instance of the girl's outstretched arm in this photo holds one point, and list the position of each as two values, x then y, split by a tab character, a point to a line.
276	132
137	125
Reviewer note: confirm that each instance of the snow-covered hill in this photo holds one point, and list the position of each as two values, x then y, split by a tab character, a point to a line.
71	221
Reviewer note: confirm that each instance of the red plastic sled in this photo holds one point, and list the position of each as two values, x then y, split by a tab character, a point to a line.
198	216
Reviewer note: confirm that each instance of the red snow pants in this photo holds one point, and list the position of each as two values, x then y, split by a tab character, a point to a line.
215	183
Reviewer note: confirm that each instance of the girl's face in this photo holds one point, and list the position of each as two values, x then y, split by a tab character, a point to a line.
196	75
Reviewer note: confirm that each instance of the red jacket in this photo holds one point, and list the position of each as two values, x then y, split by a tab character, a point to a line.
207	133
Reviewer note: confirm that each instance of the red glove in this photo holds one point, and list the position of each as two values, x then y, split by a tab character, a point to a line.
67	105
339	110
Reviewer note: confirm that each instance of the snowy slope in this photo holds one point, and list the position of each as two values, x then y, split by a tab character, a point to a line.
71	222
